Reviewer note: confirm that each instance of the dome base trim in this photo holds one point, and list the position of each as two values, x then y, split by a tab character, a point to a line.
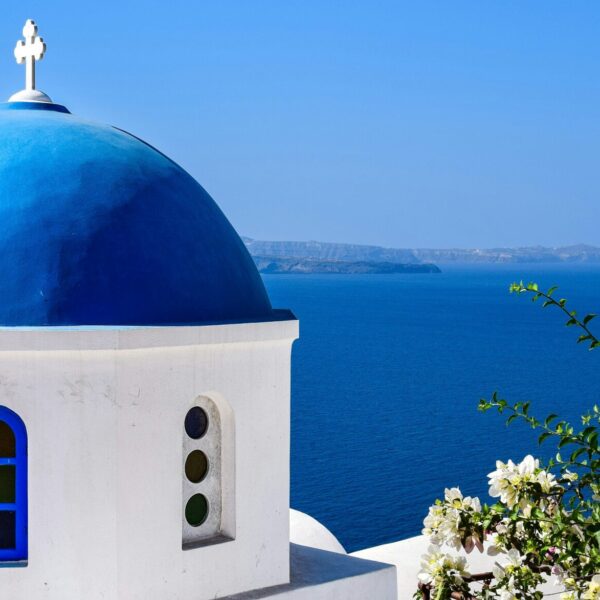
20	105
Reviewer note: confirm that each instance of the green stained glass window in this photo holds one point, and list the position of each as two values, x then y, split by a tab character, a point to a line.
196	510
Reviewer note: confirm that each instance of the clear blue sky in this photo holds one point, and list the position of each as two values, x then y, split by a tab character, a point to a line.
425	124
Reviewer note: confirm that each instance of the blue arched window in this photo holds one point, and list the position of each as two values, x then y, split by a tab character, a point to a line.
13	487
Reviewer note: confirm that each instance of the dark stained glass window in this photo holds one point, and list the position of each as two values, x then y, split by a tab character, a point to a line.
7	484
7	441
8	530
196	466
196	423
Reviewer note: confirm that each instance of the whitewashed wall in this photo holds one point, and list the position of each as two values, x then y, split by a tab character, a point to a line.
104	410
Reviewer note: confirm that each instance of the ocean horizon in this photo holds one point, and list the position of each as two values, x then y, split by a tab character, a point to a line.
387	375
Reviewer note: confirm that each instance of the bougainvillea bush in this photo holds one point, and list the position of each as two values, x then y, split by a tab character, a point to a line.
545	525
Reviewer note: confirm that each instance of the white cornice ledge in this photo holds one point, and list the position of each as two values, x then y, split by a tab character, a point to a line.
47	339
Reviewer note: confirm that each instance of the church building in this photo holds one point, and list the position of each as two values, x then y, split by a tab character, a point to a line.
144	382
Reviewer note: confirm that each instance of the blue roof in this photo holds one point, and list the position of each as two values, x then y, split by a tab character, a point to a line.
99	228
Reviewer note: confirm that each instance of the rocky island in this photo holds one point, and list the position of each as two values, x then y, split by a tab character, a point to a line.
279	265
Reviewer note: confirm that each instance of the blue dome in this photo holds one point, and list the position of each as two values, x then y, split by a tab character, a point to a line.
99	228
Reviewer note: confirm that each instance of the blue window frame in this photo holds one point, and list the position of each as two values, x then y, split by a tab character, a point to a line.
13	487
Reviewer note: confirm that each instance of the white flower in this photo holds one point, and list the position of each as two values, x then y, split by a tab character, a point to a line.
441	526
498	571
546	480
512	560
442	523
593	589
433	521
520	529
472	503
526	507
494	544
528	466
430	565
502	527
437	566
569	476
503	482
508	482
454	497
578	532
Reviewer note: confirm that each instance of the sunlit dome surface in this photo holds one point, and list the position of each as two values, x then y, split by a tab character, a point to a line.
99	228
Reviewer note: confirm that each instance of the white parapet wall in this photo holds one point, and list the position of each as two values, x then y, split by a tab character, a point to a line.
406	555
322	575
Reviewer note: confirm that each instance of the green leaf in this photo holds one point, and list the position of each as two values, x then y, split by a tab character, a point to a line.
588	430
588	318
565	441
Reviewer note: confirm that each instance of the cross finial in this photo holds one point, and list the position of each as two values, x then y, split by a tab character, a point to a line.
28	52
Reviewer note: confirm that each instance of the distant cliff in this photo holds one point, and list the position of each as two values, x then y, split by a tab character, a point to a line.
377	254
330	251
274	264
532	254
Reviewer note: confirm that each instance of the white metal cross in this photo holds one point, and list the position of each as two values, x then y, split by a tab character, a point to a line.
30	50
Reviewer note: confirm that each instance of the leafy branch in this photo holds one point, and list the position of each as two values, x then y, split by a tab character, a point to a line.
586	439
533	288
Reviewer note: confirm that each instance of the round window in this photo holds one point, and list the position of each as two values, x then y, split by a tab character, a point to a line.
196	423
196	466
196	510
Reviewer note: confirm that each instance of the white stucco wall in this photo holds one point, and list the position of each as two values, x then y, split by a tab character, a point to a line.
104	410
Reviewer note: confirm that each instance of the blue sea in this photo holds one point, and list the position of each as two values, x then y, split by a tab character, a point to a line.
387	375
